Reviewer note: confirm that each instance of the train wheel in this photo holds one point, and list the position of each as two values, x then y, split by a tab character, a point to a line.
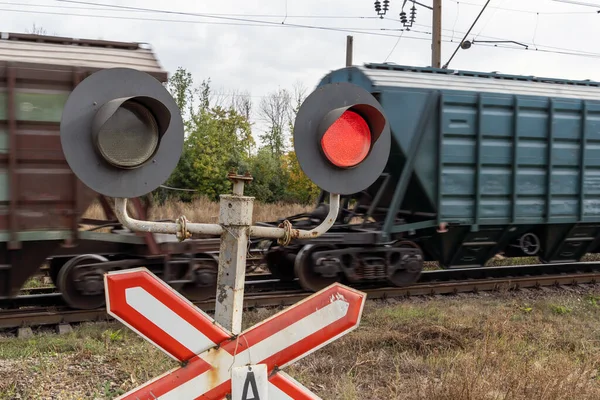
82	288
304	269
412	267
203	274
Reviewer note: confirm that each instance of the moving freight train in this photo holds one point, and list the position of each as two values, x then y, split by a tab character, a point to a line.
43	202
480	164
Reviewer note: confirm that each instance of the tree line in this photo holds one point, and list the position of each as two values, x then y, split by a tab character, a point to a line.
219	138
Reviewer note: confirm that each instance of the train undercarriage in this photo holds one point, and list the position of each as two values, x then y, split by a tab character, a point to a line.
351	252
80	279
318	265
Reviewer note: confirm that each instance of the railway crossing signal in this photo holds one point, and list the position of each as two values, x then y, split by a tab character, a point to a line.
121	132
342	138
211	355
122	135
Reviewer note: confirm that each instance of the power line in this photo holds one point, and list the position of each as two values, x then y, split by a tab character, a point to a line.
537	21
364	31
561	50
353	30
538	50
107	7
494	38
520	41
528	11
488	21
203	15
579	3
466	34
455	19
259	23
103	8
394	48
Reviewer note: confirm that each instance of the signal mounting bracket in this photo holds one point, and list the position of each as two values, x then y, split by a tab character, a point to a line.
235	228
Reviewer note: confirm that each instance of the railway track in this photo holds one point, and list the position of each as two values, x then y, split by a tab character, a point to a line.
49	297
260	292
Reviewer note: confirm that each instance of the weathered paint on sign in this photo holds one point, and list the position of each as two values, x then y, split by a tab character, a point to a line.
209	352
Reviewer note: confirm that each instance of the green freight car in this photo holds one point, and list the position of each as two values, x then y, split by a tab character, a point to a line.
481	164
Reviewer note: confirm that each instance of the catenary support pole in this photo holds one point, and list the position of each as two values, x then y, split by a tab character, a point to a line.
349	49
436	37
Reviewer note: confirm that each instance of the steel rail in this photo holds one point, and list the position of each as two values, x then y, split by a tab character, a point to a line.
39	317
49	297
262	282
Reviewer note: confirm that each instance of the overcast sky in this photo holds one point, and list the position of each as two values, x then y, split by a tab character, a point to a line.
261	58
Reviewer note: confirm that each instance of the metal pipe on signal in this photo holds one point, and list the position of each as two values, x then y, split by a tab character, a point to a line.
181	228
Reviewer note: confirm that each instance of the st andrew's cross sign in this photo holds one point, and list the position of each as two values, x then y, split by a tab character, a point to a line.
210	354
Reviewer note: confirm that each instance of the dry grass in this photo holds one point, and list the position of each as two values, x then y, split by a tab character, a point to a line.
495	347
207	211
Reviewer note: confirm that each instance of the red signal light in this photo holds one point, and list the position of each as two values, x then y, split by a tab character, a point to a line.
347	141
341	138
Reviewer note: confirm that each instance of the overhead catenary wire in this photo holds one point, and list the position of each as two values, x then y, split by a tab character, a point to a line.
455	20
466	34
557	13
276	24
538	50
186	13
521	41
453	30
488	20
105	7
394	48
150	10
260	23
563	52
375	32
364	31
579	3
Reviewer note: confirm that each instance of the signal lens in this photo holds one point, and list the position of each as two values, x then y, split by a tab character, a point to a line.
347	141
129	137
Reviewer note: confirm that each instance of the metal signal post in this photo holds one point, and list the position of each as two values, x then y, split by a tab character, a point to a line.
235	216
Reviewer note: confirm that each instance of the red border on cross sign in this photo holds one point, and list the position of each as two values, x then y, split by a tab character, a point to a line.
161	315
